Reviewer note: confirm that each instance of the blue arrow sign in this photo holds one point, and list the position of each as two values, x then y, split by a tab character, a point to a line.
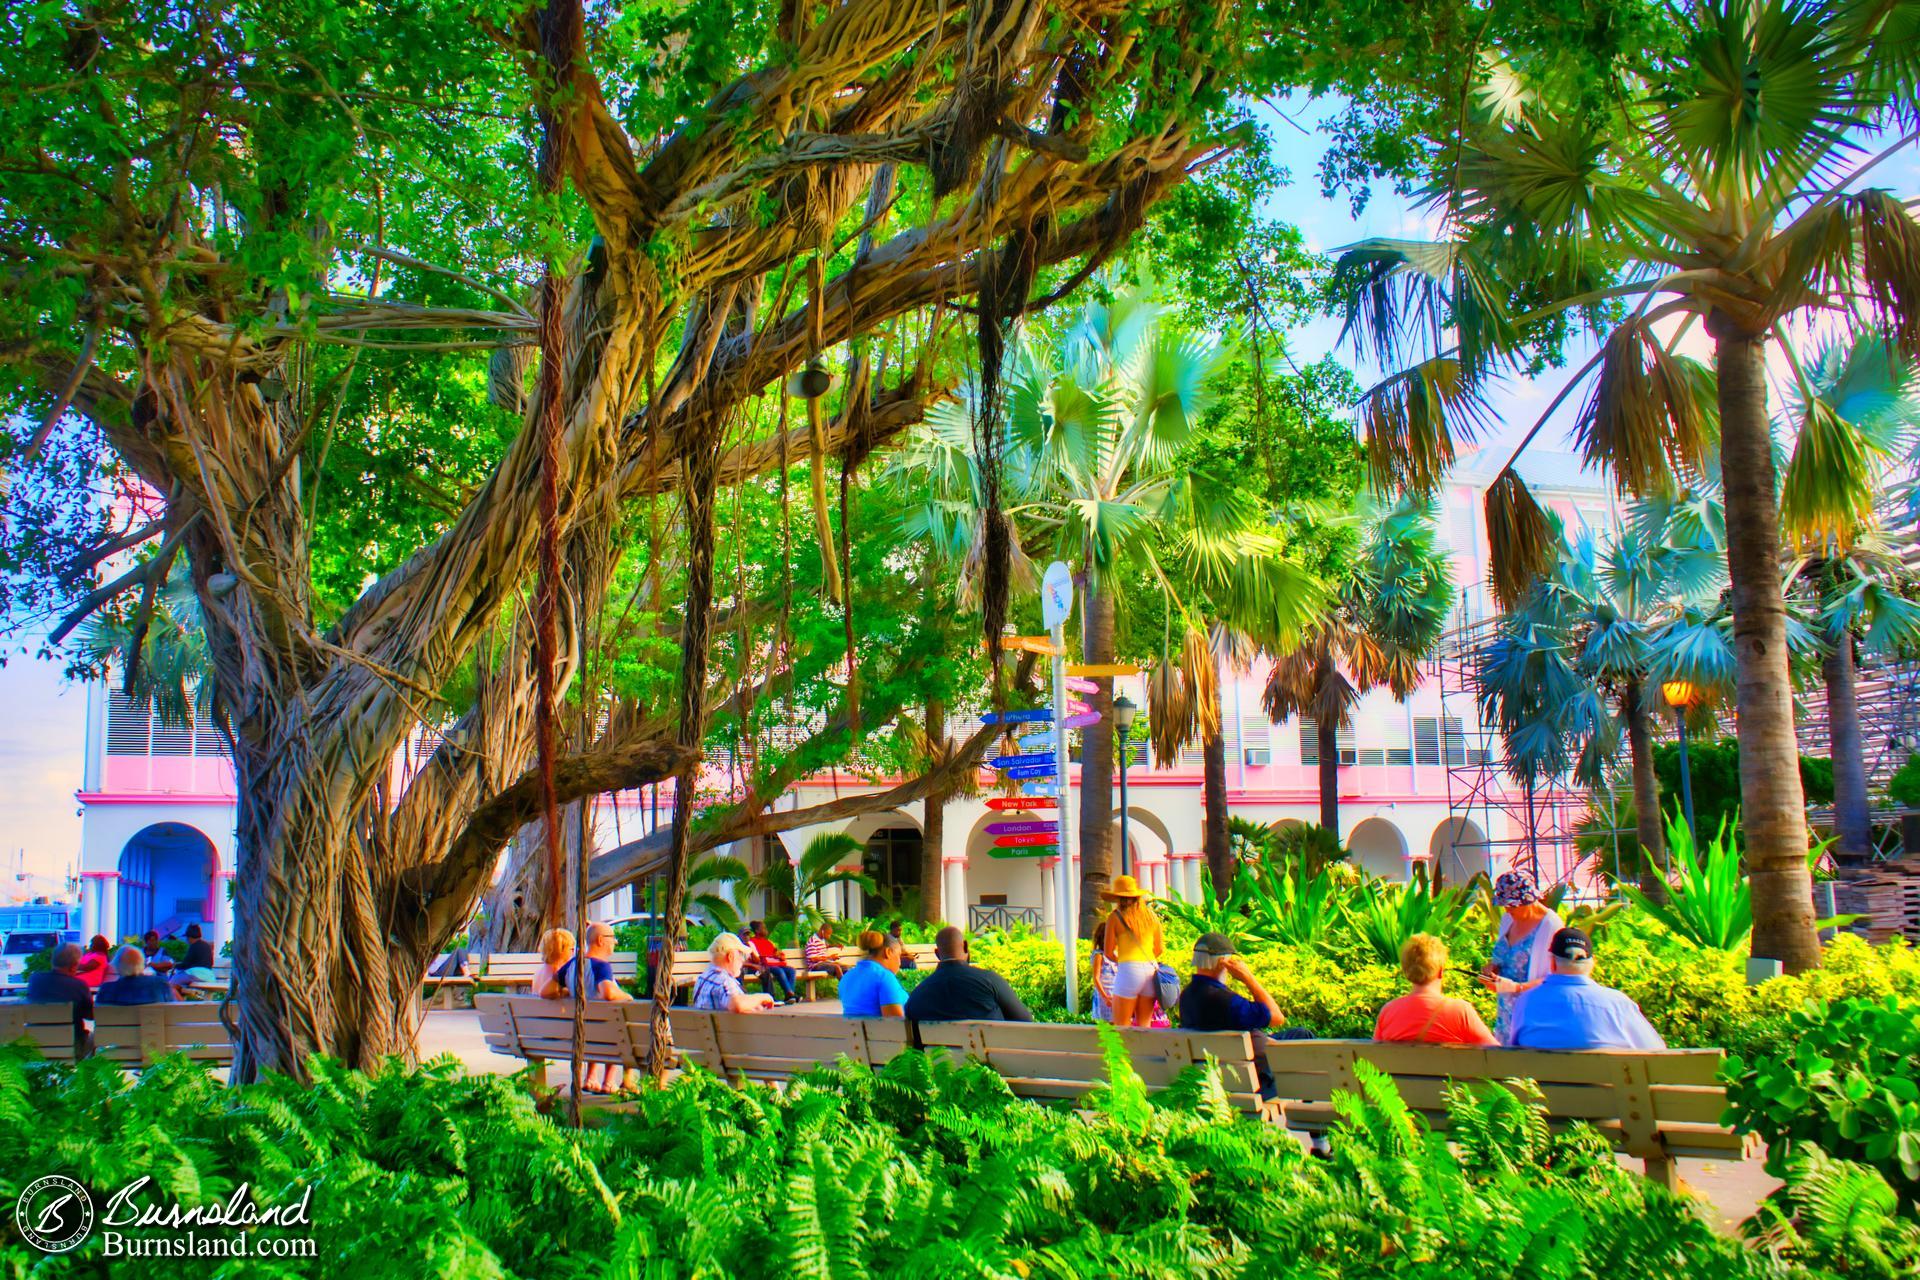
1030	770
1033	715
1008	762
1036	741
1040	789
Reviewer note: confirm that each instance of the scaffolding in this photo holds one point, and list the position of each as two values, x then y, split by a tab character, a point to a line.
1529	828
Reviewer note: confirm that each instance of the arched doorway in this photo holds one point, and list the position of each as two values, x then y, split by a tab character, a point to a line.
891	857
1379	848
1459	850
168	875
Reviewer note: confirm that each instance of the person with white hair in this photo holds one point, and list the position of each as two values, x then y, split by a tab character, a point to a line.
1569	1010
134	985
718	989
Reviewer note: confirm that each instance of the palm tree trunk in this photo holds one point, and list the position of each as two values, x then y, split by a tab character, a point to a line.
1217	844
1649	826
1096	765
933	831
1773	809
1329	735
1852	819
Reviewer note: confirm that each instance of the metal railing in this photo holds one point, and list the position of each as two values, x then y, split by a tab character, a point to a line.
999	915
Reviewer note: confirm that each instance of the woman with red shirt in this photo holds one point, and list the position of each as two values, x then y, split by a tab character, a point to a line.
1423	1015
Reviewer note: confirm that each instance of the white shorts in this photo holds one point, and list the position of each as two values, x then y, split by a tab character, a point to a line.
1131	979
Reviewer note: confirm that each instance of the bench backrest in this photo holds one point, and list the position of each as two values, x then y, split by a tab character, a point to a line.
1040	1060
517	967
1648	1104
132	1035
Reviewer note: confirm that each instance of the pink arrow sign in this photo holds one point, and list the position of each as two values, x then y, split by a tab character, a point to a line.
1081	685
1021	828
1081	721
1075	707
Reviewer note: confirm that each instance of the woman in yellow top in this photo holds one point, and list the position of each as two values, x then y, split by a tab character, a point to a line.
1133	943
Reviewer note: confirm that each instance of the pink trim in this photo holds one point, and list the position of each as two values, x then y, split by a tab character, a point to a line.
960	861
1186	857
226	875
99	875
154	797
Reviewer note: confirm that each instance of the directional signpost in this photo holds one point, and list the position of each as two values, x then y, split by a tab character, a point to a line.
1056	605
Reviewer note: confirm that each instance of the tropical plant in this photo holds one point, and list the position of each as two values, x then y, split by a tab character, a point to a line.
1576	667
1383	915
1844	1078
1708	901
819	867
1389	610
1839	1217
1290	901
171	675
1716	179
710	873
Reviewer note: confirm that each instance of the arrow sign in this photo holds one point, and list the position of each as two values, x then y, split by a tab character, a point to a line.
1032	644
1030	770
1078	685
1075	707
1103	668
1022	828
1043	851
1009	762
1033	715
1026	841
1081	721
1039	789
1035	741
1017	803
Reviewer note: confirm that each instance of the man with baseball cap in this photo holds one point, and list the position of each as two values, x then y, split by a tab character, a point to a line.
1569	1010
1208	1005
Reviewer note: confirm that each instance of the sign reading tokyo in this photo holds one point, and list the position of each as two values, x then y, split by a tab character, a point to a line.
1056	595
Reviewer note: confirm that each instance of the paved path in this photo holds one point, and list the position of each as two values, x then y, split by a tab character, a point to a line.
1731	1189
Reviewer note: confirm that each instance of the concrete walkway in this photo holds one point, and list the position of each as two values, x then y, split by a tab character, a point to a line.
1730	1189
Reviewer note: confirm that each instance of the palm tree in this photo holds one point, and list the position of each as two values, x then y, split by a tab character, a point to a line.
1388	611
172	676
1853	417
1578	665
818	868
1712	180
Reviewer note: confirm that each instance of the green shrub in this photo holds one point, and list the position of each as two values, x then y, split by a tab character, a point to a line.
1708	901
1846	1079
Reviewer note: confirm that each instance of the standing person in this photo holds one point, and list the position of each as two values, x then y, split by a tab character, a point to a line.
821	955
872	988
718	989
1424	1015
135	985
1569	1010
959	991
1134	943
771	962
96	966
62	985
556	949
1519	962
600	1077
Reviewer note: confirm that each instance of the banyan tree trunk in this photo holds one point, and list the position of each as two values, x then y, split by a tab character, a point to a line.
933	832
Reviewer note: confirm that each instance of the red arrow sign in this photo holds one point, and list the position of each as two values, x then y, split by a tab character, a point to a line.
1023	802
1021	842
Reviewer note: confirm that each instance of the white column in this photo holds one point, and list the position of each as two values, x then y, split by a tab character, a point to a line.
222	911
954	893
109	882
1047	873
89	906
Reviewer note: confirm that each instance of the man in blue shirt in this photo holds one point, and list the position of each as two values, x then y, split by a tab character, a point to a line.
1569	1010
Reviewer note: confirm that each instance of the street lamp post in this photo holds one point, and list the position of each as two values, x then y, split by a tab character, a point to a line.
1681	694
1123	712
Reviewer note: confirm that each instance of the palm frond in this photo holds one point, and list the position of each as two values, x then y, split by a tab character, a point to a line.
1520	538
1412	420
1645	421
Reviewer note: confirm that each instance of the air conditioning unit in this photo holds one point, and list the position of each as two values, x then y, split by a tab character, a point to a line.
1257	756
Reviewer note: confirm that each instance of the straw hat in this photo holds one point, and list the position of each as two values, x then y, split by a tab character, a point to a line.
1124	887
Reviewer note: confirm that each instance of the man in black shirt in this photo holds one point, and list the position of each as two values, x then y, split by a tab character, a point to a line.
199	950
1208	1004
62	985
957	991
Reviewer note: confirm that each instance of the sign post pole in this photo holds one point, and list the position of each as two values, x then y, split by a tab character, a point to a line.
1056	599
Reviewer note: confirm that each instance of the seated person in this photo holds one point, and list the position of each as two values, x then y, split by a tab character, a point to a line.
958	991
1569	1010
135	985
820	953
906	958
1423	1015
1206	1004
62	985
96	966
158	960
770	963
872	988
718	989
556	949
198	965
600	1077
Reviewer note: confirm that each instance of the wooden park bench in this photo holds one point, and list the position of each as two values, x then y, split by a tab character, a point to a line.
847	957
136	1036
1651	1105
515	969
1038	1061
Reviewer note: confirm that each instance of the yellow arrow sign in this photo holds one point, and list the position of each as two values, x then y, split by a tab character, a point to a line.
1031	644
1103	668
